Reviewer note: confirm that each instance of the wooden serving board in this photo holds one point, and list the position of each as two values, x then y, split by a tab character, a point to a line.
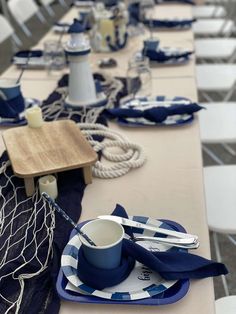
54	147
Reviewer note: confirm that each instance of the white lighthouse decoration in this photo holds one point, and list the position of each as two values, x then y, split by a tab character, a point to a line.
82	89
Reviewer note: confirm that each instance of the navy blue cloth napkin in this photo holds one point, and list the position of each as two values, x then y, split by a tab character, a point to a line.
12	107
82	19
171	265
155	114
152	51
178	1
29	53
151	23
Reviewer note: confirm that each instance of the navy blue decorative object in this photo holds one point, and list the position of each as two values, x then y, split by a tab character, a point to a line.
118	43
12	108
76	27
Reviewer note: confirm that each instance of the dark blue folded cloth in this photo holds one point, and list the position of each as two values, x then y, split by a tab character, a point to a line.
152	51
29	53
178	1
134	13
82	19
171	265
12	108
151	23
154	114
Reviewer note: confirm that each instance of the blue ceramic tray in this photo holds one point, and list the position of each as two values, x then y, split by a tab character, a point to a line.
171	295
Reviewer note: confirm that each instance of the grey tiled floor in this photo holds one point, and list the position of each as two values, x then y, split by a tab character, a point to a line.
228	250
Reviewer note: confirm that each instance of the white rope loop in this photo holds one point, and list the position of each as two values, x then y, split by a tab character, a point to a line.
127	156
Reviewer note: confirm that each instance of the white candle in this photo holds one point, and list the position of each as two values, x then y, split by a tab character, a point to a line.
106	28
48	184
34	117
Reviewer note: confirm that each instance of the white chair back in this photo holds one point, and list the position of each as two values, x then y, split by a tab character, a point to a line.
6	29
22	10
46	2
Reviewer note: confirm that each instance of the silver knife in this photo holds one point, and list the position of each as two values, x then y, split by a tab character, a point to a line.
128	222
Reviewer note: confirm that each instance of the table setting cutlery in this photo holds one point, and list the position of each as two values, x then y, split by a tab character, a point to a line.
181	243
189	239
139	103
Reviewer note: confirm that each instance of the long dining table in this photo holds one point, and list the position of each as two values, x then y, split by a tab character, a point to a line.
170	184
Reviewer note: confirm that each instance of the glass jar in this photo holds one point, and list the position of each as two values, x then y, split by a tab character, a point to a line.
54	55
139	77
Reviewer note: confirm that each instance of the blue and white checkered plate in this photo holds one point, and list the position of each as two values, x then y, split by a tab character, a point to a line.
175	120
141	283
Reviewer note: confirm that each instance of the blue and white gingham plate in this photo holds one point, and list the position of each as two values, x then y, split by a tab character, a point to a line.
141	283
176	120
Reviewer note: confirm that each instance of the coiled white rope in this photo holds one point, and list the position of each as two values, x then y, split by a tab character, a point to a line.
127	156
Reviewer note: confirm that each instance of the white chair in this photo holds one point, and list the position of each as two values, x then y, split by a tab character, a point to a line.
8	31
213	27
226	305
209	11
63	3
220	183
218	126
47	5
218	78
217	49
22	11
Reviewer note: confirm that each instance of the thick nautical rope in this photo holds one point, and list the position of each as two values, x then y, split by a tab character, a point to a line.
127	156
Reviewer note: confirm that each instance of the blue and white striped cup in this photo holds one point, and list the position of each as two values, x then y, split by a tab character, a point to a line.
108	236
